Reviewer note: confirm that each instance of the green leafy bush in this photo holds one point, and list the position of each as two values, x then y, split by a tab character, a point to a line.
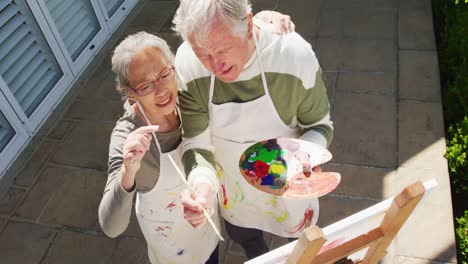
451	27
462	237
457	154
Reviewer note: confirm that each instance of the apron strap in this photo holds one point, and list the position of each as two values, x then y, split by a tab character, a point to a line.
260	65
212	81
155	138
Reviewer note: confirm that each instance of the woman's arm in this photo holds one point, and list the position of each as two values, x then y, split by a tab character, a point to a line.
116	204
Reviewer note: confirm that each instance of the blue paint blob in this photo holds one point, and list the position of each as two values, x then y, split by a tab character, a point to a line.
268	180
247	165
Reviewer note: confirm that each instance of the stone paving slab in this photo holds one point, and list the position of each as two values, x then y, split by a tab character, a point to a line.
160	10
41	194
363	181
60	130
106	90
306	25
103	76
259	5
172	40
364	135
356	55
67	197
415	26
72	247
95	110
24	242
419	76
334	207
381	83
330	80
408	260
76	202
360	4
87	146
2	222
10	200
417	239
101	85
34	167
420	125
130	250
362	23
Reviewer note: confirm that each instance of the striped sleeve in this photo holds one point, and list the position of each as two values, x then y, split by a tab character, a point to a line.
198	157
313	114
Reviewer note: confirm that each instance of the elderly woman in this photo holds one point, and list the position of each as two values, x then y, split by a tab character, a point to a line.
141	143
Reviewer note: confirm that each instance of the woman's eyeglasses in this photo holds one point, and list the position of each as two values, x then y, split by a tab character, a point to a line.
149	87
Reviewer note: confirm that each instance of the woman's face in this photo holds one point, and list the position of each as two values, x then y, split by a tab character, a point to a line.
150	68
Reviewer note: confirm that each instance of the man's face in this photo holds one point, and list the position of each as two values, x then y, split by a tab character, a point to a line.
223	53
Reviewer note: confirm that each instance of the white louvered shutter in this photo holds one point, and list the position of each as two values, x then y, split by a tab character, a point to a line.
6	132
111	6
76	23
27	64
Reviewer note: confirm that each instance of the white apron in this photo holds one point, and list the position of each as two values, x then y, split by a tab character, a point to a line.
235	127
170	238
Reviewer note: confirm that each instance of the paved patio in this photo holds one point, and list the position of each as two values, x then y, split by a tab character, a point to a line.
380	63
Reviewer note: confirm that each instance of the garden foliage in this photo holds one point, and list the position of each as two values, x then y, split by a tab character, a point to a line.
462	237
451	26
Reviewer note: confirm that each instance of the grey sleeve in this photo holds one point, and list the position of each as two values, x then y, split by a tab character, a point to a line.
116	204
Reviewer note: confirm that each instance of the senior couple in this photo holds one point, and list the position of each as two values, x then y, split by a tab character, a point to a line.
234	81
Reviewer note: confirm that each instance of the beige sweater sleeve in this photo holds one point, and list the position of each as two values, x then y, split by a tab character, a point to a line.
116	204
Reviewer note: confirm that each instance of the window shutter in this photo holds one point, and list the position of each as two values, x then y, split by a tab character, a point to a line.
26	63
6	132
112	5
76	23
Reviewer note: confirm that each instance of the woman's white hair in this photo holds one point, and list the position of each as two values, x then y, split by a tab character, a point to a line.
195	18
125	52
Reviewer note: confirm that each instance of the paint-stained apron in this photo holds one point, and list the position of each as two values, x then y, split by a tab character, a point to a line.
235	127
170	238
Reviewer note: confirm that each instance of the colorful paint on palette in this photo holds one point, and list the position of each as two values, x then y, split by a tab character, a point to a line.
264	162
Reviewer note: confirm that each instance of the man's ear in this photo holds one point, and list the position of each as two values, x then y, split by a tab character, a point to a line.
249	19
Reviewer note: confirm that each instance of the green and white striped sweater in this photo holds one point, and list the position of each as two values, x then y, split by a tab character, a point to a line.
294	81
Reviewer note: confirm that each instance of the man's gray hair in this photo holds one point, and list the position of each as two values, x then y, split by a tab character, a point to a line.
196	17
125	52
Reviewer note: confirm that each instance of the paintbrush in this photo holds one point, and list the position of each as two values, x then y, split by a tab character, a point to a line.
205	213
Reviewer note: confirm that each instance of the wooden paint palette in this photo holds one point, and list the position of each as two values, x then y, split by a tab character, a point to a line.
276	166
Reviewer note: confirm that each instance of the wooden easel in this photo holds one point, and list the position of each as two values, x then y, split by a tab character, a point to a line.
309	247
378	239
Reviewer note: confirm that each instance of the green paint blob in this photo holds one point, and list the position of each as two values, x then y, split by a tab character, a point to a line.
266	156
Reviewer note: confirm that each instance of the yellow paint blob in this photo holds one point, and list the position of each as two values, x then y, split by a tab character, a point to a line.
277	169
278	218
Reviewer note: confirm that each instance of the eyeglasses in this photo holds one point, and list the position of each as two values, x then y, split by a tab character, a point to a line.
149	87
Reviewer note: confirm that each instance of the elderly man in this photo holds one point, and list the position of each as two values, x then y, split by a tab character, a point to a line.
244	84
